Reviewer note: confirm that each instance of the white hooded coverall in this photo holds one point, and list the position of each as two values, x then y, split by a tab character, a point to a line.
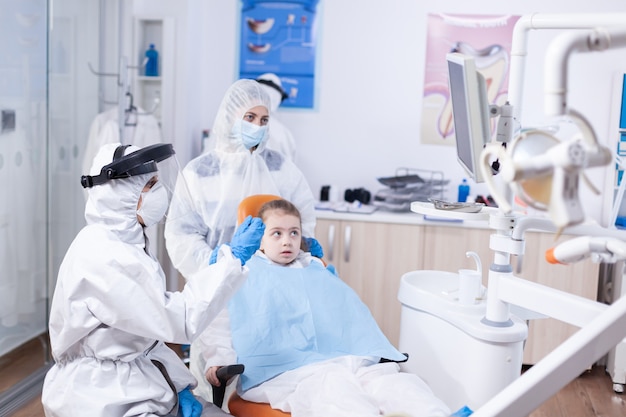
111	314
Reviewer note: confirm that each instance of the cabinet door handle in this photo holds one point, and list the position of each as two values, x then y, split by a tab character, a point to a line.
346	247
331	242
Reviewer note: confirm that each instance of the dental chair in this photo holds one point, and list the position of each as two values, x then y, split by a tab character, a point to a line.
237	406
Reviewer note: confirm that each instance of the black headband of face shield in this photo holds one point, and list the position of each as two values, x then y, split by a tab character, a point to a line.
283	95
139	162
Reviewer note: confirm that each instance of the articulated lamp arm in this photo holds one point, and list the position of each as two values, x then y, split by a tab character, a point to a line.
605	249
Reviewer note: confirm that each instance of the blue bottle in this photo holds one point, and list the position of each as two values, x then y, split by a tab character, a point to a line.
464	190
152	65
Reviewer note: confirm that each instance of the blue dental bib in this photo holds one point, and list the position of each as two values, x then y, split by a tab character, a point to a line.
283	318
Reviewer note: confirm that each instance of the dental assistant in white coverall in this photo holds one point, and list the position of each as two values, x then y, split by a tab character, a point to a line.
239	166
111	314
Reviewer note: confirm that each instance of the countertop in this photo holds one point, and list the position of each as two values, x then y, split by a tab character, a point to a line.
384	216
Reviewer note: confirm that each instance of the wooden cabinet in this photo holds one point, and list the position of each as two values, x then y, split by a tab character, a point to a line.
371	257
445	248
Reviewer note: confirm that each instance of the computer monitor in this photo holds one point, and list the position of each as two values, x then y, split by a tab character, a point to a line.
470	112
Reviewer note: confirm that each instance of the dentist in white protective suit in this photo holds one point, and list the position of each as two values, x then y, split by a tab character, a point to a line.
111	315
240	165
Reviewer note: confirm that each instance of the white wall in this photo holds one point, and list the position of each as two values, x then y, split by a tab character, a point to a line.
369	83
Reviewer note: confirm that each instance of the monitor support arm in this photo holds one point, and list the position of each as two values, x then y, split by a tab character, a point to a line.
537	21
557	56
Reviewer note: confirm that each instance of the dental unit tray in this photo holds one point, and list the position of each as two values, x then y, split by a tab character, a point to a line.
460	207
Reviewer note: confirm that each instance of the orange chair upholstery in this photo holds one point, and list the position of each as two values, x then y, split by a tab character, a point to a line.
251	205
241	408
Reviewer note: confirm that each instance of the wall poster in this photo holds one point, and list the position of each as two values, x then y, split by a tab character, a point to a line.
488	39
280	37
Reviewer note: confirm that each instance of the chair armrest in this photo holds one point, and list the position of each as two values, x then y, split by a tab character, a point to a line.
406	355
224	374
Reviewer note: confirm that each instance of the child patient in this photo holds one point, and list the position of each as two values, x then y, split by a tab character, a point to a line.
309	345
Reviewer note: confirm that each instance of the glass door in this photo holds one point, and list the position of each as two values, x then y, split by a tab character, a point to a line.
23	195
48	99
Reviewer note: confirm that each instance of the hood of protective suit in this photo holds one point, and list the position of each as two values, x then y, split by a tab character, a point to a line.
275	96
114	203
239	98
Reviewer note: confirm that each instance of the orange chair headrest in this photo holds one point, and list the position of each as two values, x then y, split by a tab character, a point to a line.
251	205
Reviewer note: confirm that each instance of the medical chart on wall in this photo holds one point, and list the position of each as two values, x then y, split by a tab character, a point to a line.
488	38
280	37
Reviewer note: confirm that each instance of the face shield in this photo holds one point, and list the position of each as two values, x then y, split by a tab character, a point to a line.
155	166
274	89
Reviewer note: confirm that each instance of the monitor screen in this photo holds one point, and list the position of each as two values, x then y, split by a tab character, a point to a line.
470	112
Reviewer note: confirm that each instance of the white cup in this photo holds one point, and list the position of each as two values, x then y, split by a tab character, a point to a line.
470	286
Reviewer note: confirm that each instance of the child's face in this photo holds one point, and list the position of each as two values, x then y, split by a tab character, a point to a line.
282	237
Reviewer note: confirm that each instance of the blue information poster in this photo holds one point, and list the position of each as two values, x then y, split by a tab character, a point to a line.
279	37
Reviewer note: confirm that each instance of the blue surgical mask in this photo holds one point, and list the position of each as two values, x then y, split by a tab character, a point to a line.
250	134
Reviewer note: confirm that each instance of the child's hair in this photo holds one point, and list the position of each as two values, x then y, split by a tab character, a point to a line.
285	207
279	205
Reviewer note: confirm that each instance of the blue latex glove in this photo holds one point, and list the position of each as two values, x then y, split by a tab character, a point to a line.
314	247
213	257
188	406
332	269
247	238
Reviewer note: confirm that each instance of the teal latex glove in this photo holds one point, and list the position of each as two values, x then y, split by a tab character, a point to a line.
188	406
247	238
314	247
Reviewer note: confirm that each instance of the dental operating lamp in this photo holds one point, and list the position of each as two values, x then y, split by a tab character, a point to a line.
548	163
543	170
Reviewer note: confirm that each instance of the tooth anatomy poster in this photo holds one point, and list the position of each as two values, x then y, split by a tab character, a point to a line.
279	37
488	39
